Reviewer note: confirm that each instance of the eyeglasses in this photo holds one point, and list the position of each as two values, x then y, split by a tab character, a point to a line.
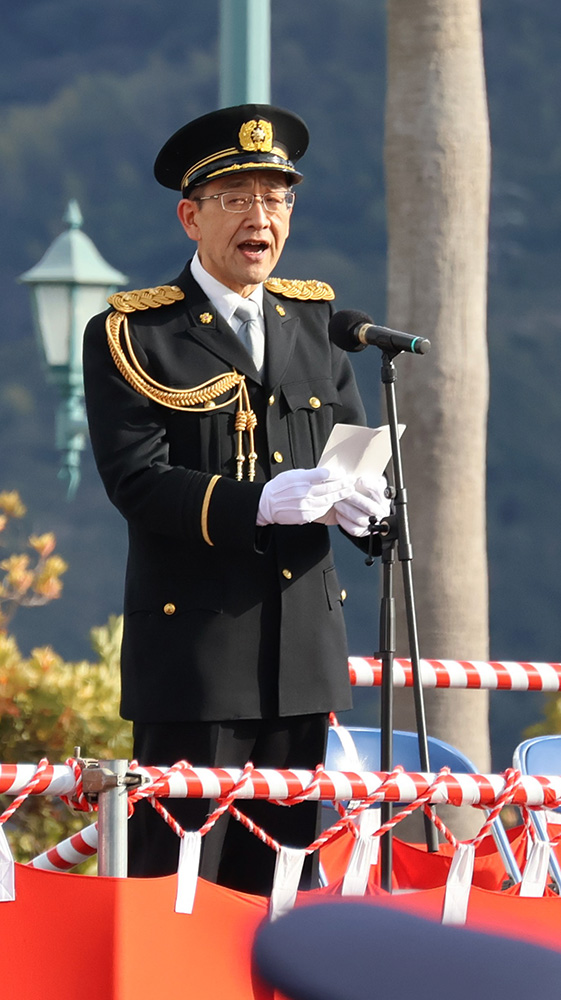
274	202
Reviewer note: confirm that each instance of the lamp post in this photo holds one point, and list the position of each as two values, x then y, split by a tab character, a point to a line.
70	284
245	52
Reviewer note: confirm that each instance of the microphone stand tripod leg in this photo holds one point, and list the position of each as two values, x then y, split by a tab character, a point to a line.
386	654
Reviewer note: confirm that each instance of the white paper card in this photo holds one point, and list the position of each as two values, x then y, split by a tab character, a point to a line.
288	869
187	871
358	451
7	878
458	885
534	879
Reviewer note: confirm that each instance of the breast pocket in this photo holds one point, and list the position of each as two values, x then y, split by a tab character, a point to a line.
309	415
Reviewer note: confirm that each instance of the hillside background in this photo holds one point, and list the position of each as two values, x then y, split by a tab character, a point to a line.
88	94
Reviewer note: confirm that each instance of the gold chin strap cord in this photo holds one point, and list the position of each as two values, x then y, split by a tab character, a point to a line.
205	396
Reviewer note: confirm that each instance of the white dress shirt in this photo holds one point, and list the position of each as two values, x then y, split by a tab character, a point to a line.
224	299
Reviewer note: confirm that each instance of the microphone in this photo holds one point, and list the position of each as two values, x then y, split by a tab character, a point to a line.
353	331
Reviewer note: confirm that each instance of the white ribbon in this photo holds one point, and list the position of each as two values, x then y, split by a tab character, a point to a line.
7	876
458	885
364	855
534	879
187	871
288	869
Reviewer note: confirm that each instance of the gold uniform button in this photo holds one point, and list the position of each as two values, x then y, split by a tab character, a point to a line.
343	595
278	457
271	399
169	609
314	402
287	574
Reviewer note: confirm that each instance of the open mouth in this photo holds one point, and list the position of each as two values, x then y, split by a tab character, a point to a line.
253	248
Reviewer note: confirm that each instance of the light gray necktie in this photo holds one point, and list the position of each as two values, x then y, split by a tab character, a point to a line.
251	331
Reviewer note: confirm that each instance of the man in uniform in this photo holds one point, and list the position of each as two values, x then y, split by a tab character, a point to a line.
209	403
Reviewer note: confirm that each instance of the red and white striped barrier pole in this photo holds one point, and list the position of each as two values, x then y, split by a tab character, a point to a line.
70	852
456	789
483	790
495	675
55	779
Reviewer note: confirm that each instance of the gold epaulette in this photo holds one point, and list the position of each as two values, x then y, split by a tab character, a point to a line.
146	298
293	288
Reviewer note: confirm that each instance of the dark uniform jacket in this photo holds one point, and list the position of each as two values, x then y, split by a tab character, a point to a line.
221	620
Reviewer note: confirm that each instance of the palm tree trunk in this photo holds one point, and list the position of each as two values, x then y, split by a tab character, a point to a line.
437	163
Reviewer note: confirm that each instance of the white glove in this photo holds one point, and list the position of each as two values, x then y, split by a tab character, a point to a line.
367	500
329	518
300	496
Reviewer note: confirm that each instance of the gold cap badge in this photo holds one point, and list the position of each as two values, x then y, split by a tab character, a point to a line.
256	136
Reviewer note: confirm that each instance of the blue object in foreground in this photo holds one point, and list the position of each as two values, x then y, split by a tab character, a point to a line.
362	951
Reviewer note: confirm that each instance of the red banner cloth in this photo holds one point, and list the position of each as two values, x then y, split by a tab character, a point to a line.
69	936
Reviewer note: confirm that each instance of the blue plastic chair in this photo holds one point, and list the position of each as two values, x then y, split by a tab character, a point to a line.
364	755
541	755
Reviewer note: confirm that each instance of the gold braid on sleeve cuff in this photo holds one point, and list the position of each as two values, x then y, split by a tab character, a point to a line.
204	509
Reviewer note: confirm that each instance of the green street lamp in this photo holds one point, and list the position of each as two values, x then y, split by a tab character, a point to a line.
68	286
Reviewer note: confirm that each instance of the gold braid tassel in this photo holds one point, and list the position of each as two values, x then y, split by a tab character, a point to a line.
251	425
199	399
246	421
241	424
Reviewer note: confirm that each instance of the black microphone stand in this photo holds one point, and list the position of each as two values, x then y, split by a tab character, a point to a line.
395	529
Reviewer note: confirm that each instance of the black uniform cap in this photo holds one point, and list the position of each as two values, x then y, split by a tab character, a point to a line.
246	137
339	950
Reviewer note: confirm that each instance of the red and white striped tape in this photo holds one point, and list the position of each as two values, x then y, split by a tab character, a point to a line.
496	675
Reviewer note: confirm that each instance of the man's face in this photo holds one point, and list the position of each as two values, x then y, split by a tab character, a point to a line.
238	249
